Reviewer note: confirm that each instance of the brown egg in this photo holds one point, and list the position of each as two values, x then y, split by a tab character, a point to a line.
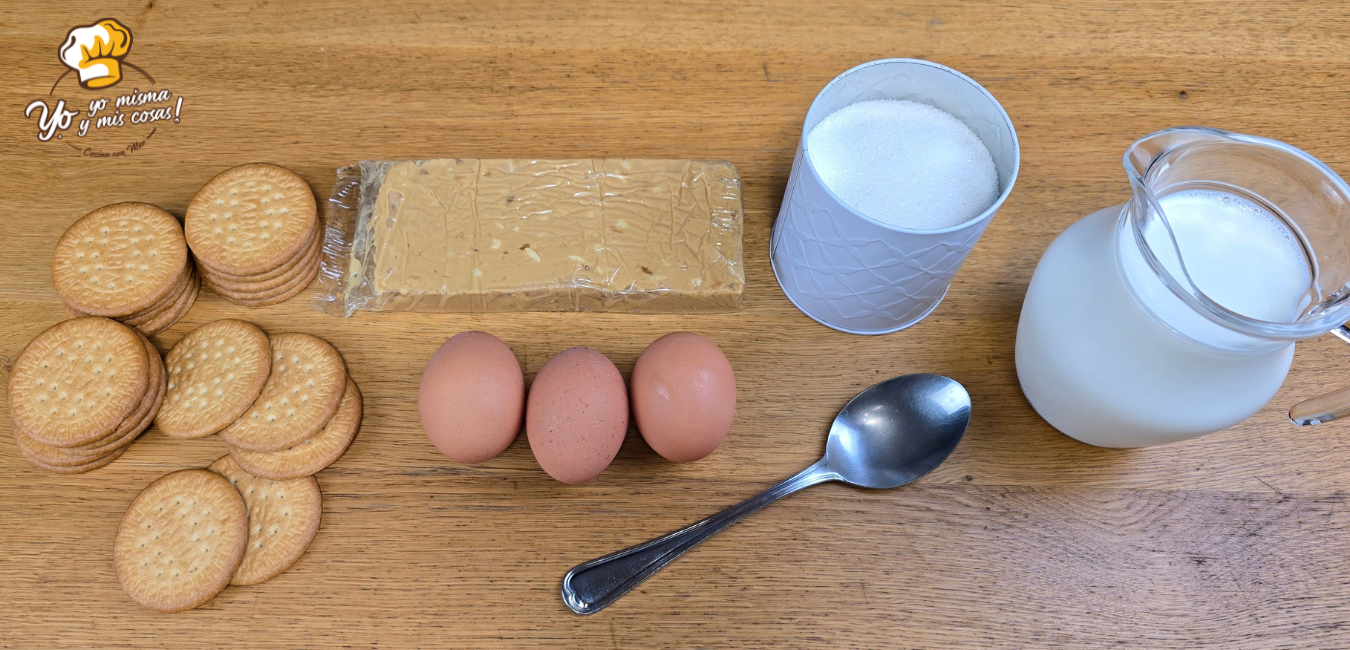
684	396
577	415
472	397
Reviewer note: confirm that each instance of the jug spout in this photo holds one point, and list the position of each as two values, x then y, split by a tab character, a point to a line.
1327	407
1307	204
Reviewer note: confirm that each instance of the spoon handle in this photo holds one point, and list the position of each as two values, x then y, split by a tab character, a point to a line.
591	586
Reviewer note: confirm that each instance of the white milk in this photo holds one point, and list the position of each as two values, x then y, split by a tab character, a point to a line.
904	163
1100	368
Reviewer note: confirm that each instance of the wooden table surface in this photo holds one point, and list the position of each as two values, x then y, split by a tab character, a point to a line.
1023	538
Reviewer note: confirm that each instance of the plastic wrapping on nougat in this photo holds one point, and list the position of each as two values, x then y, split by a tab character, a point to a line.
470	235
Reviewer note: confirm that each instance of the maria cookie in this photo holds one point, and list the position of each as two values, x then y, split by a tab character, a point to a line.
315	453
181	540
215	374
283	517
76	382
72	460
119	259
250	219
301	394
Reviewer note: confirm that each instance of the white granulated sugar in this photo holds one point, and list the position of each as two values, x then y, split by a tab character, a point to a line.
904	163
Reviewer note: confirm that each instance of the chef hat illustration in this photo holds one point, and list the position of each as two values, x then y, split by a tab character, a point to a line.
96	52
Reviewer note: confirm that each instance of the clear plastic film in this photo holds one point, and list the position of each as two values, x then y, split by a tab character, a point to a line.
471	235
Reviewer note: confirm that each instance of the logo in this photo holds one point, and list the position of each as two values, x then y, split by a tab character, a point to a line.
96	52
106	126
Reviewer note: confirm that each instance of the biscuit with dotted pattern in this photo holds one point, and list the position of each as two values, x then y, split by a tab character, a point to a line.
301	395
177	312
250	219
283	517
181	540
77	381
84	457
162	304
119	259
214	373
314	454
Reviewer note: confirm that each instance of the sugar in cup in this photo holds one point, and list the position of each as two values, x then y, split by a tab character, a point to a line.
875	250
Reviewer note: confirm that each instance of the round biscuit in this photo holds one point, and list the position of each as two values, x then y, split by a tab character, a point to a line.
250	219
181	540
180	309
77	381
314	454
139	419
301	394
177	306
283	517
215	373
119	259
134	430
315	241
123	436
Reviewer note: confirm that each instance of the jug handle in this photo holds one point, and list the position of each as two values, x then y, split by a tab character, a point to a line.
1328	407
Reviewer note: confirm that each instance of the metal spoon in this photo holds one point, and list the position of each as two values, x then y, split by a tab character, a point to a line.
887	436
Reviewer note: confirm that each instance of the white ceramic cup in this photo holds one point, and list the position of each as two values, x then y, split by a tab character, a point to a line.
854	273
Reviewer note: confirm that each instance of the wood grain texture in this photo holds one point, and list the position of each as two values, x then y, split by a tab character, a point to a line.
1024	538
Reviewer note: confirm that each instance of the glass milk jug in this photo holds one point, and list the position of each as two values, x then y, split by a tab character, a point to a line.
1175	315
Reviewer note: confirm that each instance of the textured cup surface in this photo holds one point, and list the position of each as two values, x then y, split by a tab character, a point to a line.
851	272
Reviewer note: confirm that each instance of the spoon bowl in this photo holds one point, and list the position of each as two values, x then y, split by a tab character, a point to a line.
897	430
885	437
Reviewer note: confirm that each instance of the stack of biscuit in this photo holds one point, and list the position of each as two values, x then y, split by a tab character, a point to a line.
284	404
255	232
128	262
82	391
